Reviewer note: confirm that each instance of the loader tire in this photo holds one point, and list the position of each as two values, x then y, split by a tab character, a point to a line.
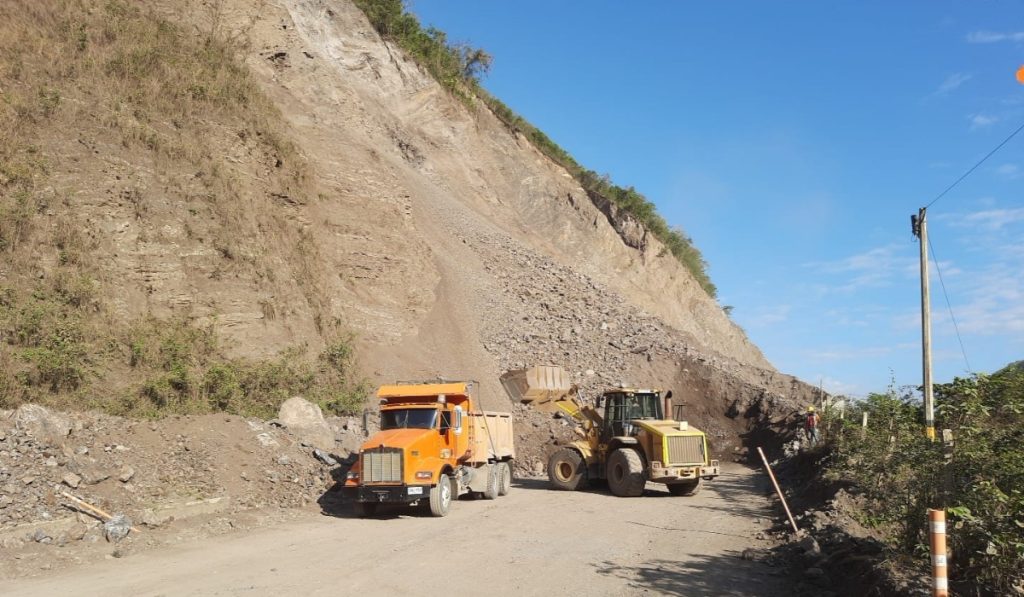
567	471
691	487
491	491
504	478
364	509
626	476
441	497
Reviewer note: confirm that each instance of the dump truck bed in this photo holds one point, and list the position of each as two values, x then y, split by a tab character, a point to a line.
490	436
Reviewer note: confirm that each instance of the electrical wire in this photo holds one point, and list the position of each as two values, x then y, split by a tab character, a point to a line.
938	270
975	167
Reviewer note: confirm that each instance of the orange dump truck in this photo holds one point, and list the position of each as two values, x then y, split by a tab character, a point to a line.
435	444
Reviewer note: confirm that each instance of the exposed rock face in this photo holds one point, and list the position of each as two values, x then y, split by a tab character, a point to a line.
632	231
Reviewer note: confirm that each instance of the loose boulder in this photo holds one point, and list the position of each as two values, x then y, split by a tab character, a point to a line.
42	424
306	421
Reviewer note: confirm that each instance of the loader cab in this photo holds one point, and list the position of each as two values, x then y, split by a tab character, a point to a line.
623	406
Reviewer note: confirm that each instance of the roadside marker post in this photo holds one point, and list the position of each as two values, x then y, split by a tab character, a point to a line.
937	528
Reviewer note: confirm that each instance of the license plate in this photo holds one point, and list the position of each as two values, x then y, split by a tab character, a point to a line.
415	491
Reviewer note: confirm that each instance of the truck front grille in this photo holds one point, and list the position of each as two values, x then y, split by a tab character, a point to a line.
383	465
685	449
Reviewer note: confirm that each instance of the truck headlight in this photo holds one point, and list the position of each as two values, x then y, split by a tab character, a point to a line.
352	476
424	474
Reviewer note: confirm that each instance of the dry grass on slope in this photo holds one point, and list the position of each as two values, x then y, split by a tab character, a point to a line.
81	72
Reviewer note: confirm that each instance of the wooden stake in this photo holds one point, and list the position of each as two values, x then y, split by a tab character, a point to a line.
82	504
777	490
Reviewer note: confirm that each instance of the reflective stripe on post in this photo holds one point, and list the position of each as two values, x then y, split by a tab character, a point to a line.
940	578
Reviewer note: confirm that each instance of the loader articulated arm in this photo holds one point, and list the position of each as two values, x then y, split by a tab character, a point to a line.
586	414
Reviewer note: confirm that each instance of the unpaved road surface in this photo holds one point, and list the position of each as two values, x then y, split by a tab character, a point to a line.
532	542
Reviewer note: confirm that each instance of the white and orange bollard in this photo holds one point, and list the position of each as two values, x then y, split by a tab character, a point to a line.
940	578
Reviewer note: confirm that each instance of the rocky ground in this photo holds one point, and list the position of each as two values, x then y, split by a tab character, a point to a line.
153	471
182	467
834	554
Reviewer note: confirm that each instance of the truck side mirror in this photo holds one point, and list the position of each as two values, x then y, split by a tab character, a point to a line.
458	420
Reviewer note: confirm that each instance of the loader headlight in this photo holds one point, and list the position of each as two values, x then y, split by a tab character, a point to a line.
352	476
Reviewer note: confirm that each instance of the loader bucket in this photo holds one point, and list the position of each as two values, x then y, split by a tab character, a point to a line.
539	386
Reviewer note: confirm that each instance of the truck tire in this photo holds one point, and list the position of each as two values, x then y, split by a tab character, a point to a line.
491	491
626	476
691	487
567	471
364	509
504	478
441	497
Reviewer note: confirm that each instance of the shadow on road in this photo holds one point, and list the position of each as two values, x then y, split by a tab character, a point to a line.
701	576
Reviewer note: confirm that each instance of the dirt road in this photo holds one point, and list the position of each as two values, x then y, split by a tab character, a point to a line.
532	542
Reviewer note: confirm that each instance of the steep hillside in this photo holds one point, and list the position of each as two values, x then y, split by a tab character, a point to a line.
269	178
154	258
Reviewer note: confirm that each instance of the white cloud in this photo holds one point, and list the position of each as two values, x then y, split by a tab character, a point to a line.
992	37
851	353
992	305
952	82
980	121
989	219
871	269
1011	171
765	316
995	304
839	388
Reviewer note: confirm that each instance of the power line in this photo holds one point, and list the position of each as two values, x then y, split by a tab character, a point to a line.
975	167
949	306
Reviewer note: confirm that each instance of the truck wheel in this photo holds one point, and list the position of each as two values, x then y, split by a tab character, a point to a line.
691	487
441	496
504	478
364	509
626	477
491	491
567	471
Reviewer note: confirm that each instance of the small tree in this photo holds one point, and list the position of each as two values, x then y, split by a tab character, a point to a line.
476	62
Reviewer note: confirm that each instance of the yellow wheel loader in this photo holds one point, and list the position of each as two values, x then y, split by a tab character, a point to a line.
626	437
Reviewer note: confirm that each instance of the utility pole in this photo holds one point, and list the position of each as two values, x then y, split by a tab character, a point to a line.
919	225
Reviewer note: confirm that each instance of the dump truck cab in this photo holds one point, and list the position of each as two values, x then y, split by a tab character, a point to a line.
434	445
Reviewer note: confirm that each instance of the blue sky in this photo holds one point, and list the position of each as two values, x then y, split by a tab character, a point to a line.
792	141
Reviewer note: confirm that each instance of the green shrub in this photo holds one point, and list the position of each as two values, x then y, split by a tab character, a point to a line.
185	372
902	474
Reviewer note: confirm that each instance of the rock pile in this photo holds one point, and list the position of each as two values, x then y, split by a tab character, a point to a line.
139	467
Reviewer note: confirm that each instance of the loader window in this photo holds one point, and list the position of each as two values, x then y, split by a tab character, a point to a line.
619	409
408	418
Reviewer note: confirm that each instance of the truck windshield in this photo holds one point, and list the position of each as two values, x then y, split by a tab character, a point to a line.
408	418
